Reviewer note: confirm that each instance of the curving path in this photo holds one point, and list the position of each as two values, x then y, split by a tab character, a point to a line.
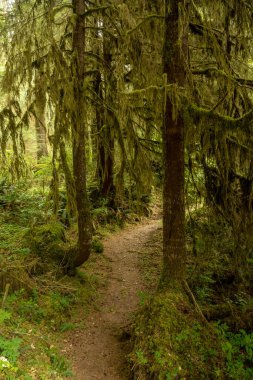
99	351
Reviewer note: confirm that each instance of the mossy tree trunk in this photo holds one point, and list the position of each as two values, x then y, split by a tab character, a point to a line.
175	53
79	136
108	185
40	120
105	143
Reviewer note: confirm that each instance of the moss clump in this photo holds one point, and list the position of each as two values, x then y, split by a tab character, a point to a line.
48	241
171	342
45	234
15	272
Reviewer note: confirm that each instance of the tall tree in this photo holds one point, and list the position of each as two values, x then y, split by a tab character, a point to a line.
221	54
79	135
105	89
174	61
58	43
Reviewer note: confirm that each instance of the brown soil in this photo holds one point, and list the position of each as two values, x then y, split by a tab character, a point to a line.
99	351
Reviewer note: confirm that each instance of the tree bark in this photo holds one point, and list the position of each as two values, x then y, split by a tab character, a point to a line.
79	137
174	60
110	88
105	148
40	123
69	183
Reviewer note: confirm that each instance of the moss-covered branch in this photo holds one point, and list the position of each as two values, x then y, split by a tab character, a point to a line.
212	71
229	123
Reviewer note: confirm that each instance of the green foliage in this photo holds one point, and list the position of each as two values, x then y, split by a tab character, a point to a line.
140	358
66	326
203	288
49	303
220	286
10	236
238	351
7	369
42	171
21	204
100	214
10	348
97	245
144	296
59	363
105	215
43	236
60	302
41	308
171	342
36	316
217	132
4	315
48	242
30	310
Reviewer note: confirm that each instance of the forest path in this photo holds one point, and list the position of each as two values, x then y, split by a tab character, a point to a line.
99	351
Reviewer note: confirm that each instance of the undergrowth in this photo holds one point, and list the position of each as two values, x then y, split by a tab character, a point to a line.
171	342
170	338
39	304
33	322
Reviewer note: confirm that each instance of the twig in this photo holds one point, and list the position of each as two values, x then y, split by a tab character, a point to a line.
5	295
191	295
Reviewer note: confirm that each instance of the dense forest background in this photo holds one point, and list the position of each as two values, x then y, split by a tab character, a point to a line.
106	107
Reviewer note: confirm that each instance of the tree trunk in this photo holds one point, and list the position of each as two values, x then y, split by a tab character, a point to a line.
110	88
108	186
40	124
99	110
174	61
105	148
69	183
79	137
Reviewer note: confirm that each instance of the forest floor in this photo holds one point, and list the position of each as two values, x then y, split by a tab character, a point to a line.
99	349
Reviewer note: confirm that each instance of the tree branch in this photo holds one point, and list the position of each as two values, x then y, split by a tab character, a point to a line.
227	122
208	72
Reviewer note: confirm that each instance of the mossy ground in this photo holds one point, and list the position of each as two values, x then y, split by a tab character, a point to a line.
42	303
172	341
39	319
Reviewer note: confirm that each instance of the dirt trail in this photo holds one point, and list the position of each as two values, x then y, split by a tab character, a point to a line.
97	351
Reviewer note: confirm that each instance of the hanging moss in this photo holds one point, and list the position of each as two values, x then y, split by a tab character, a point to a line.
216	121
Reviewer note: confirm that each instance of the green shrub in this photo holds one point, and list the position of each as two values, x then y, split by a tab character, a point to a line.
97	245
59	363
238	351
10	348
4	315
60	302
31	310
